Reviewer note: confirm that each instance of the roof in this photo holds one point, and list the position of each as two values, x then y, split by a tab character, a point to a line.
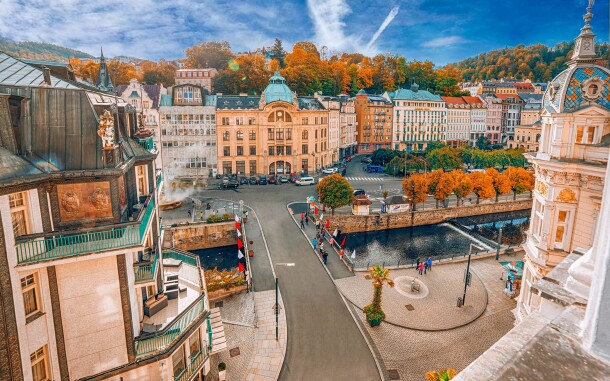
524	86
361	199
565	93
13	166
16	72
153	92
474	102
508	96
310	103
237	102
454	101
277	90
396	200
420	95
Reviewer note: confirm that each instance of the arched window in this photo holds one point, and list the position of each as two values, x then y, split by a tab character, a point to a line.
240	135
226	136
252	135
279	116
305	135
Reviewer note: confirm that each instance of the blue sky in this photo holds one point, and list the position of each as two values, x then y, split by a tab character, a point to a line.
439	30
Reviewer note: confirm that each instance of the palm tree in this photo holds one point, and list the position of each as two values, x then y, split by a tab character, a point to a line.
380	276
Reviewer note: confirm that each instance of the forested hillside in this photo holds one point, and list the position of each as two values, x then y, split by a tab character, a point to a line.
40	51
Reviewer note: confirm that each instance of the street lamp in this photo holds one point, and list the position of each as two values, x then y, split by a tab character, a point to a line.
468	275
277	300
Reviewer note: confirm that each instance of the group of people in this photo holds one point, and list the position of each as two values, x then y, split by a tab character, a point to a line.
304	219
192	208
423	267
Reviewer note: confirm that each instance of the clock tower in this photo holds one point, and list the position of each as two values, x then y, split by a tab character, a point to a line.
584	49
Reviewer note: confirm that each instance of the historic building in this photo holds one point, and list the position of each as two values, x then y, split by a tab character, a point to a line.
526	137
145	99
493	118
420	117
198	77
277	132
570	167
103	81
85	282
478	118
348	142
188	135
532	108
511	114
458	121
374	122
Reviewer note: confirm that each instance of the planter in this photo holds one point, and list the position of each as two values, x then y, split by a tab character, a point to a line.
250	253
375	322
222	375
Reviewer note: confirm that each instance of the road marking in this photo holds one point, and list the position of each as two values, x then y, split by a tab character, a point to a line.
291	264
364	178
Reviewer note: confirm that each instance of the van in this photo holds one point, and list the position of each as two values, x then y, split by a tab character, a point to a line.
374	168
306	181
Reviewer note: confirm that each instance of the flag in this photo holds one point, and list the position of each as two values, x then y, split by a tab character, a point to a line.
335	233
327	224
237	225
240	244
241	267
236	218
240	255
322	216
238	233
354	254
343	242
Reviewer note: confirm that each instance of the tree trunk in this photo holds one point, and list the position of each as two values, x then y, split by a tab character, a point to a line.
332	211
497	196
514	196
437	203
478	199
377	298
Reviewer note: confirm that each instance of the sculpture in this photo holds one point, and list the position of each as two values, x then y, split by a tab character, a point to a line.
105	130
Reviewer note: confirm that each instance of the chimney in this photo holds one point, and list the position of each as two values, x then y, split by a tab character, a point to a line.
46	72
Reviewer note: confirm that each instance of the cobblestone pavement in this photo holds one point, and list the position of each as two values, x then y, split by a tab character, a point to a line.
435	311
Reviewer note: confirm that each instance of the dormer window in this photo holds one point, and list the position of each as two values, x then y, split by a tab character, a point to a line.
591	88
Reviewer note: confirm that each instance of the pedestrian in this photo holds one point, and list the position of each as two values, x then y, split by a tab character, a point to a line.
417	264
201	215
331	240
302	215
321	246
425	267
190	214
429	262
420	267
315	243
317	225
302	223
307	218
341	253
325	257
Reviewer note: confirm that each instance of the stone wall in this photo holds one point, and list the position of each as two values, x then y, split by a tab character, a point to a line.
383	221
201	235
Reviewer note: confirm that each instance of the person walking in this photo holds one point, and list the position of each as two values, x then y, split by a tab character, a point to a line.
429	262
314	241
322	247
325	257
425	267
201	215
307	219
190	214
417	264
420	267
341	253
302	224
302	215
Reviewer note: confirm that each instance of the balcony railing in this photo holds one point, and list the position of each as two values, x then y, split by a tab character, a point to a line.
193	366
173	331
51	246
192	275
145	272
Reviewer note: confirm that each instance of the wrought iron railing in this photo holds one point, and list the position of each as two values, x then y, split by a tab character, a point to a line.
193	366
51	246
145	272
173	331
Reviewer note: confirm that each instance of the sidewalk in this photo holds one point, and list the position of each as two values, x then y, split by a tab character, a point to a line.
262	275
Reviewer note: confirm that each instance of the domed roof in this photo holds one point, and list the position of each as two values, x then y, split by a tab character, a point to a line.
577	87
361	92
277	90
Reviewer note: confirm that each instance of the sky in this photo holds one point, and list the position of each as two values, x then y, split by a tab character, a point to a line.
442	31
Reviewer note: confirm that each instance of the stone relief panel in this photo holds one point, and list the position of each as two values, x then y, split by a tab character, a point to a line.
84	201
122	192
542	188
566	195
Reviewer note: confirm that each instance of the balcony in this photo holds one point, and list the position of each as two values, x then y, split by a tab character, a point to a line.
591	153
145	271
193	366
51	246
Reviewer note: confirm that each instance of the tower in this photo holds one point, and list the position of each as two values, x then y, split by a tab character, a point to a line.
104	82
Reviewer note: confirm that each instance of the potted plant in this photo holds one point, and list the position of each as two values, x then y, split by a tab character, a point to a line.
374	313
442	375
385	194
222	371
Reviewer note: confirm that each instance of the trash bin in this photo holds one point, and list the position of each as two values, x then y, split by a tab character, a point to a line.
459	301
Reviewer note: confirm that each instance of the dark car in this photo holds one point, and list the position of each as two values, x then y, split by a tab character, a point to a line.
358	192
366	160
272	180
374	168
253	180
262	180
293	177
229	184
243	180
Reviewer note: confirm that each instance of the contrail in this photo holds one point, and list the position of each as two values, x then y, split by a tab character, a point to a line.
383	26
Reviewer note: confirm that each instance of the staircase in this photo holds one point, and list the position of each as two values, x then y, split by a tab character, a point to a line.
219	341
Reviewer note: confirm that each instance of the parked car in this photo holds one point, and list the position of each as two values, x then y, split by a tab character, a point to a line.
374	168
284	179
229	184
272	180
366	160
243	180
232	176
262	180
358	192
306	180
293	177
225	179
329	171
253	180
348	159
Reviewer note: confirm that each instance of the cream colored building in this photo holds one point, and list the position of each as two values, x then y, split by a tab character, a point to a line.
199	77
458	121
570	168
275	133
526	137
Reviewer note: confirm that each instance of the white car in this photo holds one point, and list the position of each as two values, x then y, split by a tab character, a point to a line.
329	171
305	181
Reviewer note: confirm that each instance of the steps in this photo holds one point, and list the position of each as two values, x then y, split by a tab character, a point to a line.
219	341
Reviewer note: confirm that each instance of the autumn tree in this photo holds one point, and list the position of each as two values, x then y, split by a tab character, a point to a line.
158	74
416	188
462	185
520	180
500	182
445	158
121	73
440	184
209	54
482	185
335	191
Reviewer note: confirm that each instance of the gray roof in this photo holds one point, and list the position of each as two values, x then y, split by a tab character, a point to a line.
396	200
13	166
310	103
15	72
237	102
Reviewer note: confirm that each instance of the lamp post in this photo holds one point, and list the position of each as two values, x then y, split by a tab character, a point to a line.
276	307
467	275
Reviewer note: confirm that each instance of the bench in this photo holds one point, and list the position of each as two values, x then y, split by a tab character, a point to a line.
155	304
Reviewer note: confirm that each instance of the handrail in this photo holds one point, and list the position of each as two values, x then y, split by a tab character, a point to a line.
188	258
194	365
145	272
174	330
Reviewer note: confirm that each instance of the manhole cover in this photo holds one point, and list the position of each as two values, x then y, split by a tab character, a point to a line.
219	304
393	373
234	352
410	307
367	277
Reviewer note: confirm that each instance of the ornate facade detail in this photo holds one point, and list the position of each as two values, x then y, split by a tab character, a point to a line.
566	195
592	88
105	130
70	203
542	188
99	199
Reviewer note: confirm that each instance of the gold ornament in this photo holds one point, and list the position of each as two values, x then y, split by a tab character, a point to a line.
566	195
105	130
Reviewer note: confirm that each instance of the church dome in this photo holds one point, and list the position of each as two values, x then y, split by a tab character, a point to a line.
277	90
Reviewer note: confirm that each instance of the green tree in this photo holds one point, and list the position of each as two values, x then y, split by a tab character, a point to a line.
278	52
374	312
209	54
445	158
483	143
435	144
335	191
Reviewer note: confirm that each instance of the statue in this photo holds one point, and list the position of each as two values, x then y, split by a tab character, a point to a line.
105	130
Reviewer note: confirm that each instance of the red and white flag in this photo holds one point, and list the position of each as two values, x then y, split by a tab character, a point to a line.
240	244
241	267
343	242
238	233
240	255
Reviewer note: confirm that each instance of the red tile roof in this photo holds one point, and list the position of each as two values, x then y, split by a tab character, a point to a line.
524	85
454	100
473	100
506	96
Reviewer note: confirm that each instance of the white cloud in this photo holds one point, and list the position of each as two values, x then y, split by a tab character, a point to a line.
327	17
388	20
443	42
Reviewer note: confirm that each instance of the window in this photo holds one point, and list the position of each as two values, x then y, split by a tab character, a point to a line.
19	213
271	151
538	219
252	167
304	165
225	121
289	134
226	136
141	180
252	135
316	134
305	135
288	150
178	362
280	150
226	151
305	149
40	364
279	116
239	121
270	134
305	121
585	135
31	295
279	134
561	228
227	167
252	150
251	121
240	135
194	344
240	167
315	148
240	150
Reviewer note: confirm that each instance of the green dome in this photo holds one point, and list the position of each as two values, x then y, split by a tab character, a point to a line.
277	90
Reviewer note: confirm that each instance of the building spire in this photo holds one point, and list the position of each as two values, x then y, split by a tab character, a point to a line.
104	82
584	48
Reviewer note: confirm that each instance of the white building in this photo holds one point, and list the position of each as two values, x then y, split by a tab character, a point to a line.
198	77
571	165
493	118
348	144
478	118
188	136
458	121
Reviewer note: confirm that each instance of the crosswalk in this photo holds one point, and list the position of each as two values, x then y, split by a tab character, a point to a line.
364	178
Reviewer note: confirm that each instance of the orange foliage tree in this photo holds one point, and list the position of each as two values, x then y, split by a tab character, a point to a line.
440	184
462	185
520	180
416	188
500	181
483	185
